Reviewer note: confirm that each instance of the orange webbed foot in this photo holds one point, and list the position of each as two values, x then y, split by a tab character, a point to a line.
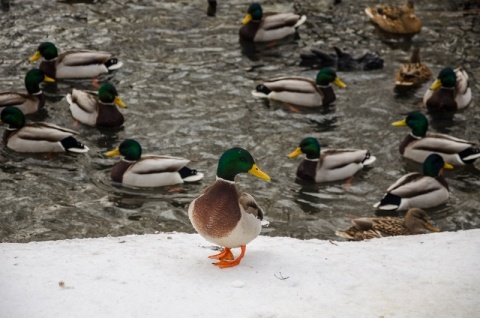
225	254
231	263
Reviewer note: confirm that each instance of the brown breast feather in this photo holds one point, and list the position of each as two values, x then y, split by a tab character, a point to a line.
216	212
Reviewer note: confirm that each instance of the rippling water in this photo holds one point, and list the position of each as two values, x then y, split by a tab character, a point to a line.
187	85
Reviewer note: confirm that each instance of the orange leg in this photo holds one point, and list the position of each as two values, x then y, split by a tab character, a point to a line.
348	183
225	263
225	254
293	108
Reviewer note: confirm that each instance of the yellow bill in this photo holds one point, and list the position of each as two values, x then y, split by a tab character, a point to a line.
247	18
297	152
339	82
259	173
119	102
436	84
48	79
114	152
447	166
400	123
35	56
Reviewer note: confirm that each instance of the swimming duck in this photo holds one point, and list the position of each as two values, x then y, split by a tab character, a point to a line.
97	109
301	91
413	73
450	91
416	221
32	101
416	190
224	215
149	170
340	60
37	137
74	64
268	26
395	19
419	144
329	164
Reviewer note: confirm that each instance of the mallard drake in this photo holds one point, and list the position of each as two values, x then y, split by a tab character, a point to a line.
329	164
224	215
395	19
97	109
37	137
419	144
340	60
301	91
34	99
416	190
268	26
416	221
450	91
413	73
149	170
74	64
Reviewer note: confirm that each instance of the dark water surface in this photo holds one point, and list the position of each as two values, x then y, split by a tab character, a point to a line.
187	85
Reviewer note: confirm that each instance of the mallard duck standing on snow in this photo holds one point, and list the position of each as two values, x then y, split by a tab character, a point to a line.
301	91
419	144
37	137
97	109
269	26
224	215
140	170
34	99
75	64
395	19
416	190
413	73
450	91
329	164
416	221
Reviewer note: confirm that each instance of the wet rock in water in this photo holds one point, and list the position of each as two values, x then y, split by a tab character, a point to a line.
212	8
5	5
341	60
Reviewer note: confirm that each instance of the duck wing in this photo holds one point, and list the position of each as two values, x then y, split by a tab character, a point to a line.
248	203
338	158
12	99
44	131
293	84
149	164
83	57
413	184
273	20
441	143
87	101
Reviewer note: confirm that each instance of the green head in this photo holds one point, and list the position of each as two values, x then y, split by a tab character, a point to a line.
417	122
238	160
46	49
309	146
326	76
130	149
33	78
107	93
434	165
13	117
446	78
254	13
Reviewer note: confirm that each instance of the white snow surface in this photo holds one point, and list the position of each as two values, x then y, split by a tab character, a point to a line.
169	275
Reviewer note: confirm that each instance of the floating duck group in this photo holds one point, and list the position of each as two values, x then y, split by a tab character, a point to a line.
223	214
